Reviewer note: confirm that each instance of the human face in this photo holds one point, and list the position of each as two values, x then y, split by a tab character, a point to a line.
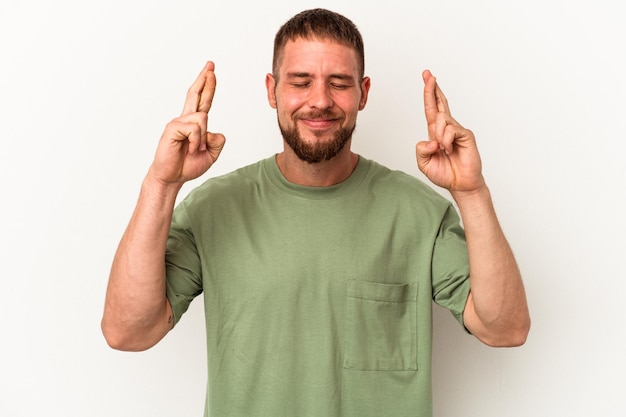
317	94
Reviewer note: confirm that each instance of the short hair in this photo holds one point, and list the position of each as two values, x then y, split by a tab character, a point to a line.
321	24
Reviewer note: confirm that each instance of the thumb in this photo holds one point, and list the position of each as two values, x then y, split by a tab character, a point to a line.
426	149
215	144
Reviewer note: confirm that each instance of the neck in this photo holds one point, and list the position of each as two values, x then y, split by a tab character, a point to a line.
320	174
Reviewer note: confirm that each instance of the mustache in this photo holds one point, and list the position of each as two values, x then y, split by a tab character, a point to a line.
319	114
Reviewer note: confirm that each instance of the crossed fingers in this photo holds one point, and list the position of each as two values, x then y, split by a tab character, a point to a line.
194	117
442	127
200	94
434	99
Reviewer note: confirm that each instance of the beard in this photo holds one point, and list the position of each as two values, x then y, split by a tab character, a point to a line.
320	150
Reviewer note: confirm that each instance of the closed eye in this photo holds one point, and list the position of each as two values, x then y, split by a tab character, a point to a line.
300	85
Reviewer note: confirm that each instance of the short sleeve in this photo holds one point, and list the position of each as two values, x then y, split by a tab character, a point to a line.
182	264
450	266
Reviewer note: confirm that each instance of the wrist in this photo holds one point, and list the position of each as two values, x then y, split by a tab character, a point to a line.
477	196
157	187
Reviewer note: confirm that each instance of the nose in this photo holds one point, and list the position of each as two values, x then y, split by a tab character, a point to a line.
320	96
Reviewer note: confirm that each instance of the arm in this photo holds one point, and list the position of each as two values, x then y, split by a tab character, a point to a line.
496	311
137	313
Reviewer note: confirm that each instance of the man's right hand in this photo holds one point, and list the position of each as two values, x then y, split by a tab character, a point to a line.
187	149
137	313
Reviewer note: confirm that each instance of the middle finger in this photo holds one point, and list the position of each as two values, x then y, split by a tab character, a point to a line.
193	99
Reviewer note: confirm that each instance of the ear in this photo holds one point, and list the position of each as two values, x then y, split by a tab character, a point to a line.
270	85
365	88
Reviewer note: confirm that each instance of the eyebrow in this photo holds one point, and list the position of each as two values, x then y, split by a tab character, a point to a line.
297	74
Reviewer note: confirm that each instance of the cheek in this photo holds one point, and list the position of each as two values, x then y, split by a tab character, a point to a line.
349	104
350	109
288	103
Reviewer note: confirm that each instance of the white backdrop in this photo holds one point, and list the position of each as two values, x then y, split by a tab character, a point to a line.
86	88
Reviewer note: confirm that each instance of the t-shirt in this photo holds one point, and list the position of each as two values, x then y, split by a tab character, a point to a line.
318	300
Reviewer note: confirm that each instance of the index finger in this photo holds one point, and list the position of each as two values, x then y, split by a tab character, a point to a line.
200	94
434	99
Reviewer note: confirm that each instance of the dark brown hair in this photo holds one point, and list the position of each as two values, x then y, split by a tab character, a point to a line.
321	24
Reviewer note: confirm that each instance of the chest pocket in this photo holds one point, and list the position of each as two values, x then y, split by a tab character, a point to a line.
381	332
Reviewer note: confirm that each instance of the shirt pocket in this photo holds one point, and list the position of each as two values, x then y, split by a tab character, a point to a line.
381	329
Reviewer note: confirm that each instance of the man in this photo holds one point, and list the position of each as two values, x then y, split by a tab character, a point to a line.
318	267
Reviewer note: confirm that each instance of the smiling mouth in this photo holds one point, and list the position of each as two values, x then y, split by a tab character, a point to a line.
319	124
318	120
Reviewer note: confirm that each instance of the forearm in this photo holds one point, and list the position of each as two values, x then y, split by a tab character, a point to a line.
137	314
496	312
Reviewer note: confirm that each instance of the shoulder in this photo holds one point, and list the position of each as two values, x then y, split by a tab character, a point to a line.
238	183
401	185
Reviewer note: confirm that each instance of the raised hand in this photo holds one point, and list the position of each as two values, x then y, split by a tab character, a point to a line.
449	158
187	149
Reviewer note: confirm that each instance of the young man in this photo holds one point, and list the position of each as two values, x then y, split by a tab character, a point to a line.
318	267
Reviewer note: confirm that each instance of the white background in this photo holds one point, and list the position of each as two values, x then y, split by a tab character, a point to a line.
86	88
